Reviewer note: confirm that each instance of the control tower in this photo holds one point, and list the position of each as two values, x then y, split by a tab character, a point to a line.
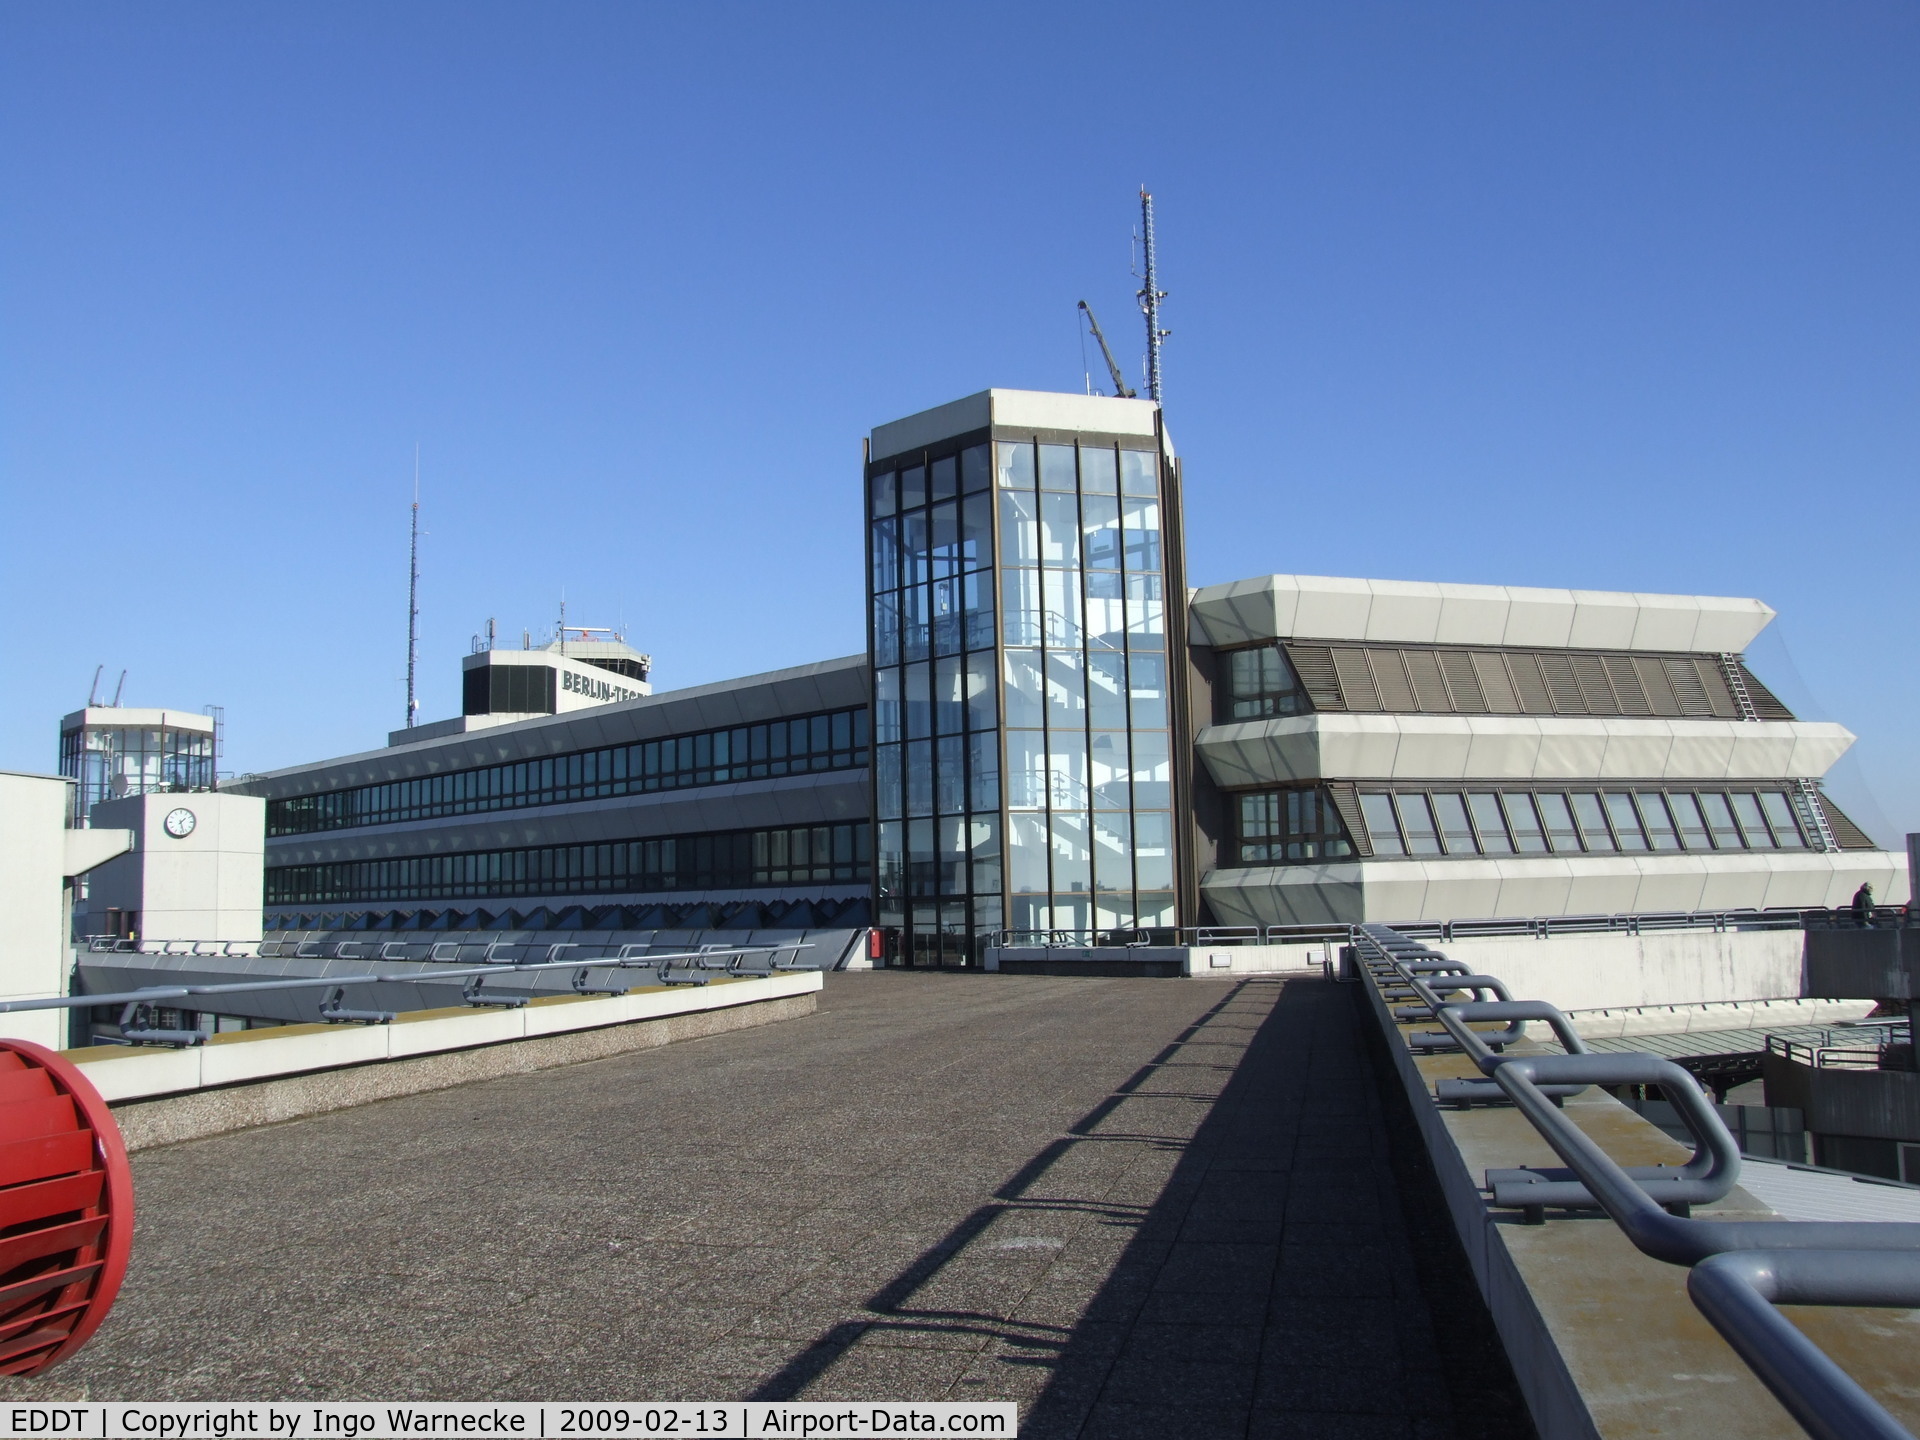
579	667
115	751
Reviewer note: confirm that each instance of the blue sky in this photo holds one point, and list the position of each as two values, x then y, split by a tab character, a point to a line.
1617	296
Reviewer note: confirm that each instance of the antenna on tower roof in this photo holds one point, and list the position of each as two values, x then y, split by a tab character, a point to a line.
1150	297
413	590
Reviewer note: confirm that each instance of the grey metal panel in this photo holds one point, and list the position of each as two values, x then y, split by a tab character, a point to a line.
1863	964
1880	1104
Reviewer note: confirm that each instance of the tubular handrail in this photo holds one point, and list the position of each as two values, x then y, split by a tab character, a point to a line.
152	994
1737	1292
1676	1240
1739	1270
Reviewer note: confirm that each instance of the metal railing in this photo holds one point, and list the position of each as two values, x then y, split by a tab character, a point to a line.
1841	1049
1539	927
1739	1271
694	967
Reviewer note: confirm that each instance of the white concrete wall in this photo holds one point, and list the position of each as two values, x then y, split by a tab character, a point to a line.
1325	607
207	886
1019	409
1520	887
1508	747
39	856
146	1070
1607	972
33	902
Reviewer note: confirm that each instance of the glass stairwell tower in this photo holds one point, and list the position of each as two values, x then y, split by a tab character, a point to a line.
1027	615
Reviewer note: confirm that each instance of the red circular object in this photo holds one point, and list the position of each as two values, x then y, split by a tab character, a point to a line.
66	1208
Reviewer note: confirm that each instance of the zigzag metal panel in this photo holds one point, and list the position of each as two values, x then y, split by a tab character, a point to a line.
1434	680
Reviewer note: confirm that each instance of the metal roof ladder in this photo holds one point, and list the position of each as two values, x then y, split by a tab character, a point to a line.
1813	815
1736	676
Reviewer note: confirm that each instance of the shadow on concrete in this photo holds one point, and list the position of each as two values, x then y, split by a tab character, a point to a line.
1275	1283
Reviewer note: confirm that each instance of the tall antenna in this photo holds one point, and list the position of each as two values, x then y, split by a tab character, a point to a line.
1150	297
413	590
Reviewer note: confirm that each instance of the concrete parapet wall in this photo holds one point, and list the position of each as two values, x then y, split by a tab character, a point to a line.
261	1077
1219	961
1663	967
1713	1016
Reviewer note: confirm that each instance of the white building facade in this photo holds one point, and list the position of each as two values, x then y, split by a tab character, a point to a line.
1395	751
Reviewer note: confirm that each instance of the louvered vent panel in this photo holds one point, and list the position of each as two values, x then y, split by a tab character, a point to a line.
1314	665
1356	680
1495	684
1658	685
1561	684
1463	681
1846	834
1596	694
1714	681
1765	703
1530	684
1688	689
1429	690
1626	685
1390	676
1346	800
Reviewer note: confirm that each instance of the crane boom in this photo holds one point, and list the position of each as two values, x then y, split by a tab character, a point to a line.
1120	387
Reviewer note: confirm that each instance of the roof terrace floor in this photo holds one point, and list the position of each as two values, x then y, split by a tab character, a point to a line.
1139	1207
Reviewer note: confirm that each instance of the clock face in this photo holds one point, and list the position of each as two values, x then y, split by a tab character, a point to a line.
179	823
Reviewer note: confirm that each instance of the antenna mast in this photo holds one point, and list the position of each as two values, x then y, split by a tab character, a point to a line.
1150	297
413	591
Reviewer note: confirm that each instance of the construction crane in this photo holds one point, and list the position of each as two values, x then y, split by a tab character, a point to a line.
1120	386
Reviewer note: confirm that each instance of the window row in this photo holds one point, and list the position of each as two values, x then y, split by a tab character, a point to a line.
944	696
111	762
942	618
1064	770
1047	607
1295	825
934	544
836	740
947	776
901	488
507	689
1294	678
1042	855
1092	469
1096	532
799	855
1101	689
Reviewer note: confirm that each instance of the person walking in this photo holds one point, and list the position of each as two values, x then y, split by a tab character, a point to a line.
1863	905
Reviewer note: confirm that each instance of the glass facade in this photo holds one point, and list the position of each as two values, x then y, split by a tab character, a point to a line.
741	859
1023	758
835	740
110	761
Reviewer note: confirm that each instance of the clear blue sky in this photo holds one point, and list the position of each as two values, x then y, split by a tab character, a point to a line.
1611	295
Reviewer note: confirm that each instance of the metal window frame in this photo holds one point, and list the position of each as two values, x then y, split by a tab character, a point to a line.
1364	848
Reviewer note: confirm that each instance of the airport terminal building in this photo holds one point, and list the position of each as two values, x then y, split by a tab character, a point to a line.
1051	731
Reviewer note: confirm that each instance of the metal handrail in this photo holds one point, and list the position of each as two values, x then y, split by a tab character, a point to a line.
1832	1057
1539	927
155	994
1739	1270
